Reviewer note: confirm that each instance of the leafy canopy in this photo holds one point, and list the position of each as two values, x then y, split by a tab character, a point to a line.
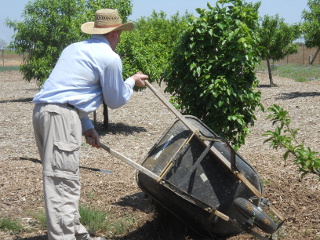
149	46
311	25
48	26
213	70
276	38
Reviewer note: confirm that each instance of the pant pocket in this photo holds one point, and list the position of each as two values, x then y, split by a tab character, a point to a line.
66	156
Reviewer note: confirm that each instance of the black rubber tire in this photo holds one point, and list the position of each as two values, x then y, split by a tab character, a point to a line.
260	218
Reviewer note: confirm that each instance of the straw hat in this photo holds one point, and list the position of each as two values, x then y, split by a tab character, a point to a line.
106	20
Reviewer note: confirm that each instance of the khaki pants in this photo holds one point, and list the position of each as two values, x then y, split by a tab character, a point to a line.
57	129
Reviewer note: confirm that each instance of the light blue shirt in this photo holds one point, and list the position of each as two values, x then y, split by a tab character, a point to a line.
87	73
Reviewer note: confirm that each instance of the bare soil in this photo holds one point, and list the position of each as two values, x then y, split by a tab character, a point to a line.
133	130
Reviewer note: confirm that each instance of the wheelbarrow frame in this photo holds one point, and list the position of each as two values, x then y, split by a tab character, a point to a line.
230	165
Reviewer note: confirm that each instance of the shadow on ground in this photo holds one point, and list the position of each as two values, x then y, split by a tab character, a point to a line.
163	226
292	95
42	237
117	128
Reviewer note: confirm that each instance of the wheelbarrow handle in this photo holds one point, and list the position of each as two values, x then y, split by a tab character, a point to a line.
171	107
130	162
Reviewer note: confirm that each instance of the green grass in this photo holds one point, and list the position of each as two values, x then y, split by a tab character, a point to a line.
8	51
9	68
8	224
300	73
94	220
41	220
122	225
97	221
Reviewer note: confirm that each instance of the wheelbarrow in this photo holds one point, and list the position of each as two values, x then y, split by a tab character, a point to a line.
198	177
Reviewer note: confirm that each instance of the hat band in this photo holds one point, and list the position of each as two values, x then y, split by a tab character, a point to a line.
108	26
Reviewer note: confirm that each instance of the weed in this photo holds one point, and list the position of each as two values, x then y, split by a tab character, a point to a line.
123	225
40	218
97	221
10	225
265	182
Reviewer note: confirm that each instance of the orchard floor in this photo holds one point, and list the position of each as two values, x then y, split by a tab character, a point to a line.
133	130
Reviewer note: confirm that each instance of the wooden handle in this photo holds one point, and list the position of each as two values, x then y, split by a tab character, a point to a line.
130	162
171	108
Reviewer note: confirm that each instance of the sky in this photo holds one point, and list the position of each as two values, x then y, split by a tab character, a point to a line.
290	10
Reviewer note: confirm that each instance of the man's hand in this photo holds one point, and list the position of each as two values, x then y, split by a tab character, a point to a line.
139	79
92	138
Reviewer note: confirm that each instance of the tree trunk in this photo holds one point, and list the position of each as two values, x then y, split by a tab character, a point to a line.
105	116
316	54
3	57
270	72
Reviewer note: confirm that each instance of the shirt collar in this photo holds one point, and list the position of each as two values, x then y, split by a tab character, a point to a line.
100	38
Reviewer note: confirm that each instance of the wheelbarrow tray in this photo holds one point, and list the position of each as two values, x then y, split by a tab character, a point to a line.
201	179
193	181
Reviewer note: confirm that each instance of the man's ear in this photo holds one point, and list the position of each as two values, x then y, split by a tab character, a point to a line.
113	33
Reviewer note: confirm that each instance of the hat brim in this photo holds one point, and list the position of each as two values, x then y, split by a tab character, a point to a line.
90	29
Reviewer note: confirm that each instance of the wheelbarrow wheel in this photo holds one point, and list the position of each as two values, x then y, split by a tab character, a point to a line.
260	218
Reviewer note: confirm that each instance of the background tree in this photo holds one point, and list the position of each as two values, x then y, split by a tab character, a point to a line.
48	26
276	40
149	46
213	71
3	44
311	26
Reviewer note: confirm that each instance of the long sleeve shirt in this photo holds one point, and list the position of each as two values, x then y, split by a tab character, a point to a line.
86	74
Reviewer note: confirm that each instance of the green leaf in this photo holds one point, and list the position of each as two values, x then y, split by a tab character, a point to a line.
206	66
285	156
221	26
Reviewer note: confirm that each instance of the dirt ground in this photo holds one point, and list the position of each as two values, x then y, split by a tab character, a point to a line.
133	130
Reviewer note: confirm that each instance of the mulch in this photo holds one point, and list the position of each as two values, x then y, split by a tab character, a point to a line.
132	131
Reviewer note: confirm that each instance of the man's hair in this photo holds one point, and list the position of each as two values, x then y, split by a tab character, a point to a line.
111	32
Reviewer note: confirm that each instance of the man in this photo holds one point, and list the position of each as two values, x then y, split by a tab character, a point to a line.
86	74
